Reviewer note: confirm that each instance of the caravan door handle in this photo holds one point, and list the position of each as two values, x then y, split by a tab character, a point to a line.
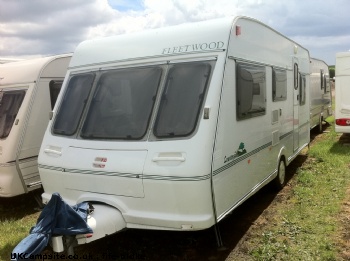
51	151
168	159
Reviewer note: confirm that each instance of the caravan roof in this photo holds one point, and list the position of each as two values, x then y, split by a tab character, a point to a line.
192	38
30	70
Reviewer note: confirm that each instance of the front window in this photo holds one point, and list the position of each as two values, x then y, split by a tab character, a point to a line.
122	104
73	104
10	102
182	99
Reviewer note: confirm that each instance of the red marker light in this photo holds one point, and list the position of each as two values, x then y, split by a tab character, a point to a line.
238	30
342	122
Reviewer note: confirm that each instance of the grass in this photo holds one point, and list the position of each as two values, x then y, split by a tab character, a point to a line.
307	227
17	216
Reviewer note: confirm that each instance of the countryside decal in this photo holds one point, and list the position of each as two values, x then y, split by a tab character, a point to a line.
239	152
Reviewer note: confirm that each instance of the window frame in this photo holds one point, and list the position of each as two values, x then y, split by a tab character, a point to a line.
302	89
96	91
53	91
67	91
249	115
159	136
23	93
274	85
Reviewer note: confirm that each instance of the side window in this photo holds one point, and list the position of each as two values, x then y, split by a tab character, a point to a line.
250	90
302	89
296	75
323	82
55	87
279	85
10	102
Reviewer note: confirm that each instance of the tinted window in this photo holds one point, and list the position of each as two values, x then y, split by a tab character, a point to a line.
182	99
122	104
296	75
73	104
250	91
302	89
10	102
279	85
55	87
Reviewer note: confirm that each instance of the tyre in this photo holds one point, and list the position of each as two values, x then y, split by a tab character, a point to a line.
280	181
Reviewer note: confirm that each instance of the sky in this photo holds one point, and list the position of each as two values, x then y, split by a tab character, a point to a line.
35	28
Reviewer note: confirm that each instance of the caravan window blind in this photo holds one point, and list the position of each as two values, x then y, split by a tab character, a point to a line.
279	85
10	102
122	104
73	104
250	90
182	99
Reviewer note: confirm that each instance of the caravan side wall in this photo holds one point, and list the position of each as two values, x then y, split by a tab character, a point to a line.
19	149
256	132
342	92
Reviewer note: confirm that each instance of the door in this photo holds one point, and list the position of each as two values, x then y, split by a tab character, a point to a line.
296	105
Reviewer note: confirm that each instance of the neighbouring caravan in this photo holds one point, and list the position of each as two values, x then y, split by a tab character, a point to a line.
173	128
28	91
320	93
342	92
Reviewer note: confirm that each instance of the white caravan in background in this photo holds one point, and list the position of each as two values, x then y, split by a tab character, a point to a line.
173	128
28	91
342	92
320	93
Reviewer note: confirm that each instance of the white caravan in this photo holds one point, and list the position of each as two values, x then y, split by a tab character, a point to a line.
173	128
320	93
342	92
28	91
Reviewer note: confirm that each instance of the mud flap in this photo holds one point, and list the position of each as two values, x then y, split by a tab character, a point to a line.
104	220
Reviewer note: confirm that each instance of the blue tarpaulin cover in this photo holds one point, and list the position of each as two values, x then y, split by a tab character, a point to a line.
57	217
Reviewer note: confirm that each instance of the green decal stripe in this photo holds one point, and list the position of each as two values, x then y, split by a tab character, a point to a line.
170	178
50	167
286	135
247	155
127	175
176	178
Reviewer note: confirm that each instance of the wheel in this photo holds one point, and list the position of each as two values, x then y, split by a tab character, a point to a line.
280	181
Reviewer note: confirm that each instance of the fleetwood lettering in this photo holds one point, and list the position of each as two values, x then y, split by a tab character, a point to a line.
194	47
